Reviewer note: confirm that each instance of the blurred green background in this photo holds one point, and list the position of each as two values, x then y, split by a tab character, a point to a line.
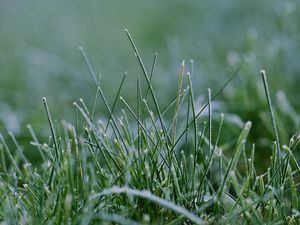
39	56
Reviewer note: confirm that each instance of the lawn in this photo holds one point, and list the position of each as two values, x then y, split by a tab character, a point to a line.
189	118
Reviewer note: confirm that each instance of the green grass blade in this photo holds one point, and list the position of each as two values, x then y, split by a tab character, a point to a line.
215	96
149	83
87	61
234	159
54	138
264	77
174	123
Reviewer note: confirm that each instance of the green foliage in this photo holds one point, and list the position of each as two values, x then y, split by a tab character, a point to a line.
140	167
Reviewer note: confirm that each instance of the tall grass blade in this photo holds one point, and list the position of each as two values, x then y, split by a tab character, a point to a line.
54	138
149	83
174	123
87	61
213	98
264	77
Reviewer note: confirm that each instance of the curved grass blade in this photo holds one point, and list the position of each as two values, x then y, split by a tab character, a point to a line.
148	195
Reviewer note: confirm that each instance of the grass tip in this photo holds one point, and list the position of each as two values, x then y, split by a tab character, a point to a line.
248	124
263	72
286	148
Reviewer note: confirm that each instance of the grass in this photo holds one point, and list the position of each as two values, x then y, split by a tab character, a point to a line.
138	167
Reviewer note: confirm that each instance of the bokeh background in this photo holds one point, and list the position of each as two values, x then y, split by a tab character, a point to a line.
39	57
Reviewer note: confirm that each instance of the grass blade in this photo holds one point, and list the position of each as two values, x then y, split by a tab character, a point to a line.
148	195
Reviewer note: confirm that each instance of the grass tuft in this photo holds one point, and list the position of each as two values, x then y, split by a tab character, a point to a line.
134	167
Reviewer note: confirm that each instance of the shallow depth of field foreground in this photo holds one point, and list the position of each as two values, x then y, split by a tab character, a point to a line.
150	163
